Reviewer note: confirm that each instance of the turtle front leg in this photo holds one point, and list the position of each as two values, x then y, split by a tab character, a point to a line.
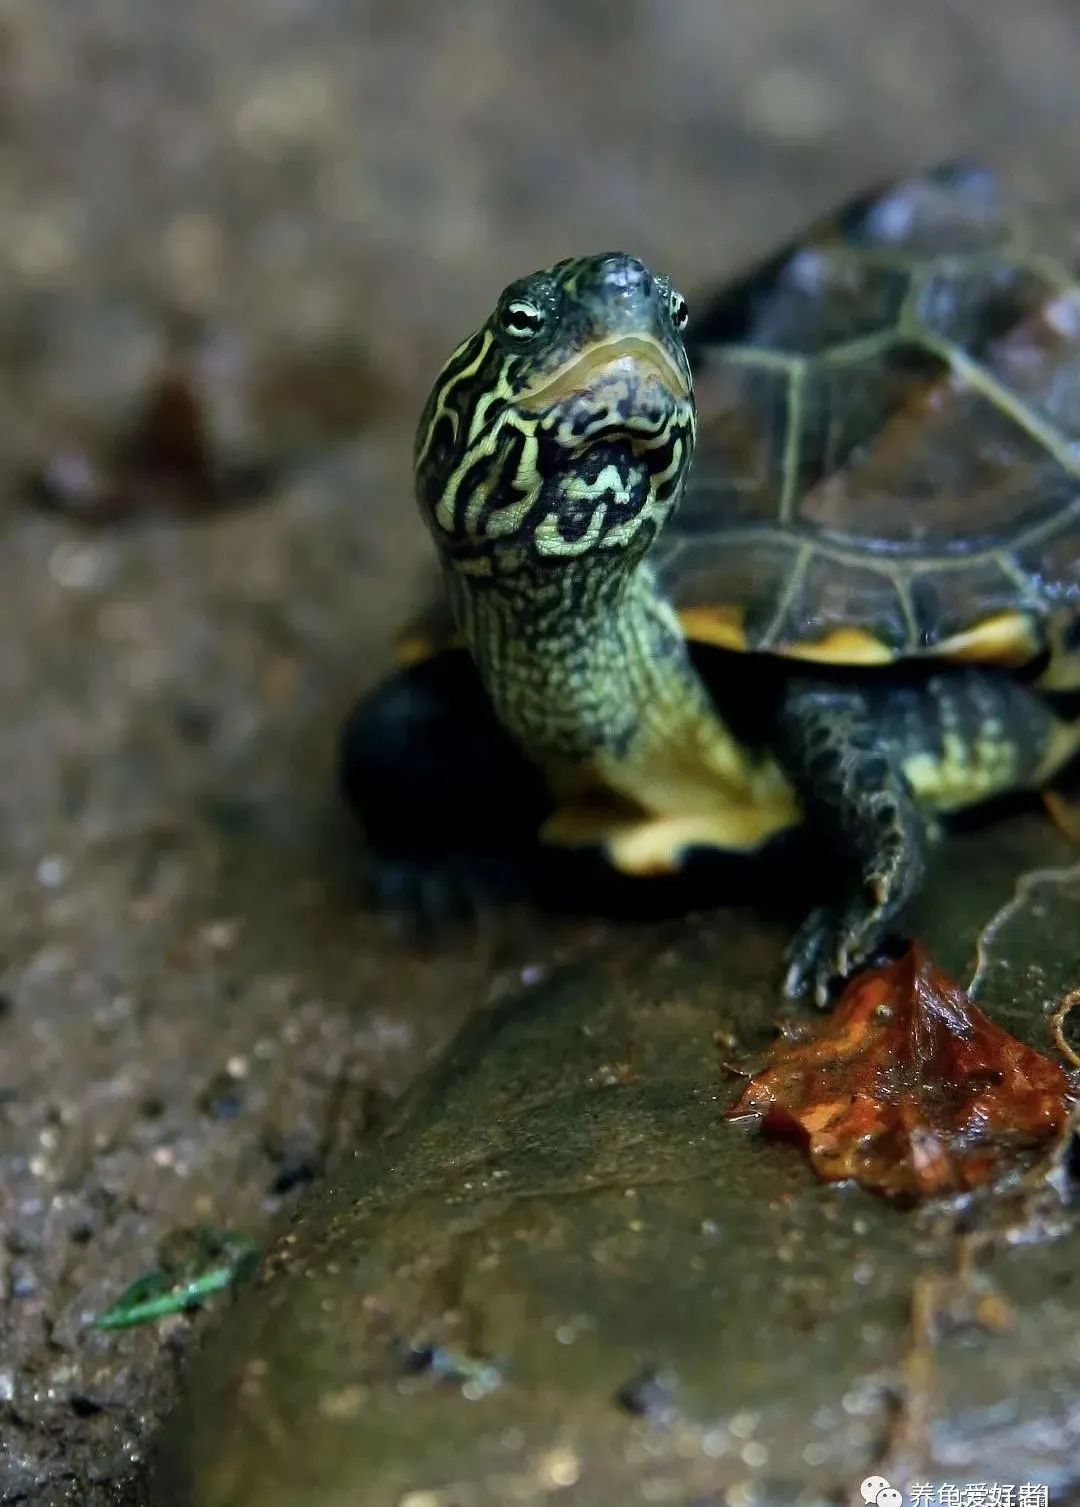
857	798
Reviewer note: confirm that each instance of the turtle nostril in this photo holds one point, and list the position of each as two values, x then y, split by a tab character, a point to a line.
625	274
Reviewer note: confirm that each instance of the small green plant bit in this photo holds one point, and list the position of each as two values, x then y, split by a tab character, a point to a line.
201	1263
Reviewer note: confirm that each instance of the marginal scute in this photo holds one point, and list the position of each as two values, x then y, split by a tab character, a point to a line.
747	578
720	626
842	646
976	601
889	454
1006	639
842	611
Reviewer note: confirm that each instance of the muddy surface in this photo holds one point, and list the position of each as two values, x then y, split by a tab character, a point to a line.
196	1009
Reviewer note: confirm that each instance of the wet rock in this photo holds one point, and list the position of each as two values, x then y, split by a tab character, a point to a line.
676	1310
651	1394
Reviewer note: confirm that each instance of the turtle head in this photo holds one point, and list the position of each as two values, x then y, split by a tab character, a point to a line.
564	428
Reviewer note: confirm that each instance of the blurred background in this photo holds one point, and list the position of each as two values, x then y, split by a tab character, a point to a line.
239	236
305	202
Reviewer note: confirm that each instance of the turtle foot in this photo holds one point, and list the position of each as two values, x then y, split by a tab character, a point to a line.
833	942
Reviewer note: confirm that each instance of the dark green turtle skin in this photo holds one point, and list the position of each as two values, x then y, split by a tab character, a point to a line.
858	608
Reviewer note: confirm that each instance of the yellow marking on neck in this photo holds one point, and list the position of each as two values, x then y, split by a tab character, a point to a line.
445	391
551	544
478	565
480	414
484	449
678	450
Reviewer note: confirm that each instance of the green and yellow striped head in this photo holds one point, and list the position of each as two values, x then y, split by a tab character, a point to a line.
564	428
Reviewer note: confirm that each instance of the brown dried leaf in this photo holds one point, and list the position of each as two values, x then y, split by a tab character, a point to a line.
907	1087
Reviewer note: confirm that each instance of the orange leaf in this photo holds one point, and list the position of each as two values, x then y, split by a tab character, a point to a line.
907	1087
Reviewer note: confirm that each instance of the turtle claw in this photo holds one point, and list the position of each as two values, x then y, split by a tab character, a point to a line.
807	971
828	947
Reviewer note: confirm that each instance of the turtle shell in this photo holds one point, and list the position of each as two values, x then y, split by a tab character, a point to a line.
888	461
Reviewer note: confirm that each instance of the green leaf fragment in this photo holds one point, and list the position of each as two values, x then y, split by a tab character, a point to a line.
217	1260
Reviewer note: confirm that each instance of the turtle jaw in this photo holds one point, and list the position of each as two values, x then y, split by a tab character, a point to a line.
628	372
626	391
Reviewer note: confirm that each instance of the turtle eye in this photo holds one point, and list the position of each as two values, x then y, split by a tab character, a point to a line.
521	318
680	314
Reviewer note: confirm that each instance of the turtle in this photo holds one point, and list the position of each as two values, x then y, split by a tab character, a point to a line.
810	564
